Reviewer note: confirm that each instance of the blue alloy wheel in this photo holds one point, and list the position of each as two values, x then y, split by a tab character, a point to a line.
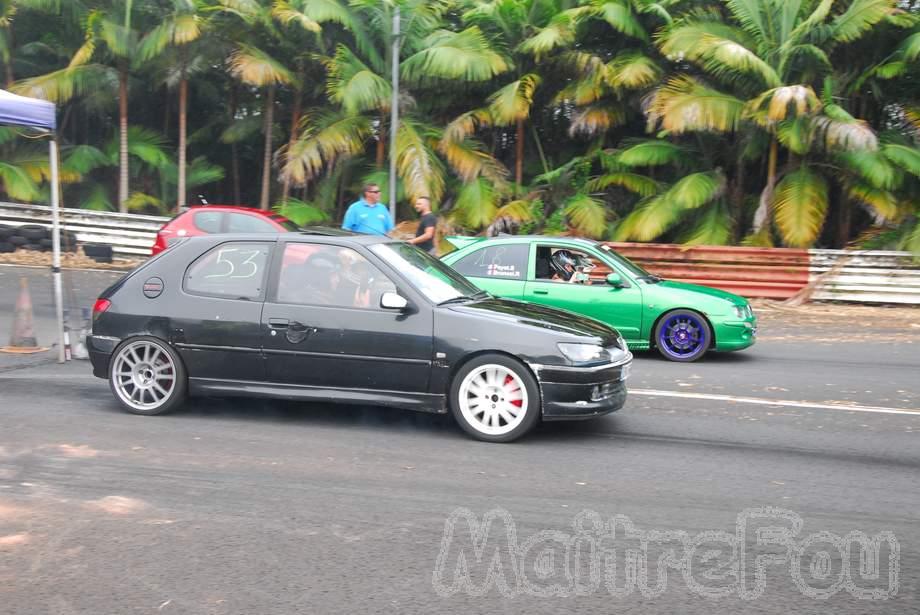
683	335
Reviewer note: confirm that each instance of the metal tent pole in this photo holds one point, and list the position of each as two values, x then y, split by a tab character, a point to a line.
56	248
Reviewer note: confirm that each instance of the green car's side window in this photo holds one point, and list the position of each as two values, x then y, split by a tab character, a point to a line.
503	261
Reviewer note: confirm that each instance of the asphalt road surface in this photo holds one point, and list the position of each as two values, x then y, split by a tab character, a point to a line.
804	449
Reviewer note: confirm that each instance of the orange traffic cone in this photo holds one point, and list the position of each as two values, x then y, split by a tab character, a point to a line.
22	339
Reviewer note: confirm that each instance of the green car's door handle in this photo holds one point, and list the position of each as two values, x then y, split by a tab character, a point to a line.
541	292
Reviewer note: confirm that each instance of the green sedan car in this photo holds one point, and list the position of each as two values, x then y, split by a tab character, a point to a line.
683	321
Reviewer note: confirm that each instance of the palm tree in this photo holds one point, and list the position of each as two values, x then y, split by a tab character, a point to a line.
356	84
256	68
179	30
758	73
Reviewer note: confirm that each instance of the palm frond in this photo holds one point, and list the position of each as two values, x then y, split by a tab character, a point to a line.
301	213
469	160
477	204
596	119
713	227
586	215
519	210
654	216
62	85
753	17
355	86
16	183
859	17
512	103
84	158
255	67
785	102
141	202
559	33
633	70
650	153
419	167
721	57
464	55
906	157
800	205
619	16
638	184
840	131
97	199
287	14
324	139
467	124
882	202
874	167
684	104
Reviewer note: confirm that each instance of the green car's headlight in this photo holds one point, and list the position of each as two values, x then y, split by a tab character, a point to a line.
743	311
584	353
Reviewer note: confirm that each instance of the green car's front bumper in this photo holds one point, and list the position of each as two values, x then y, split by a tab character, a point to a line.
734	334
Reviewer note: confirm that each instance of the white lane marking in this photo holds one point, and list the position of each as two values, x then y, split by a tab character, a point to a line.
774	402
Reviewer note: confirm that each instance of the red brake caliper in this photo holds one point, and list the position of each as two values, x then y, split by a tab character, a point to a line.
516	402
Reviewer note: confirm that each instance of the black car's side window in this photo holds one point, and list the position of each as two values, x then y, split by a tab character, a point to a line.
208	221
235	270
502	261
313	274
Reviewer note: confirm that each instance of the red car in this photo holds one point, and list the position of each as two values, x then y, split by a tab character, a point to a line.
212	219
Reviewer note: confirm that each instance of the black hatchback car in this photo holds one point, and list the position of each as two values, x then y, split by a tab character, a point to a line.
349	318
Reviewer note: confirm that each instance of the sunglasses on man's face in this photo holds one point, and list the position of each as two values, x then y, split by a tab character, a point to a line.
374	191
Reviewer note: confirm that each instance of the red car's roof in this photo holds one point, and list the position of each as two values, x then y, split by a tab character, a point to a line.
251	210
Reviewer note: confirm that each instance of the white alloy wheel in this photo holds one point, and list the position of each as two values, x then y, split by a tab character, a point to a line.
144	376
493	399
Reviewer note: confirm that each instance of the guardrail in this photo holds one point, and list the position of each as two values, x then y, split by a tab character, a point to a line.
771	273
779	273
128	234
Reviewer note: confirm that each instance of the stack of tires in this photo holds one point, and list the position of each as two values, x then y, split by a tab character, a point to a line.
33	237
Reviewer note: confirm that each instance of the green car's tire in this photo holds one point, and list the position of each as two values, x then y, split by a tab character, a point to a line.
683	336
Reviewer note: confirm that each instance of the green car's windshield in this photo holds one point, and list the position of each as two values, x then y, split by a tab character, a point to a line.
437	281
624	262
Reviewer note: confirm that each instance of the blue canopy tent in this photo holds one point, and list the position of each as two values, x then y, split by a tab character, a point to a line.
34	113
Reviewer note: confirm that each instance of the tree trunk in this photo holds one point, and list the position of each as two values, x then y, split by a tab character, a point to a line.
123	136
737	200
295	120
381	144
519	154
8	62
763	213
267	154
844	222
183	109
234	153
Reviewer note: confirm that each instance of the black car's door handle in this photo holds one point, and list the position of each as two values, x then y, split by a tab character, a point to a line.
278	323
541	292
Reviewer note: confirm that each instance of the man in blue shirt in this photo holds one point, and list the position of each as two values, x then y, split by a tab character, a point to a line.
368	215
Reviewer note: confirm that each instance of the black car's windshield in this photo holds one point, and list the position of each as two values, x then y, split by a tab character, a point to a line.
437	281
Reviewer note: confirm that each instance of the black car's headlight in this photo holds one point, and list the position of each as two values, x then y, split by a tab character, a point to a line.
584	353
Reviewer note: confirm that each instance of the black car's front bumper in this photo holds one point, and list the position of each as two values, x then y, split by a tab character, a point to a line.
571	393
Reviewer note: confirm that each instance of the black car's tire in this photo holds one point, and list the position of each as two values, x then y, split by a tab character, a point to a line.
683	336
33	232
147	376
495	398
17	241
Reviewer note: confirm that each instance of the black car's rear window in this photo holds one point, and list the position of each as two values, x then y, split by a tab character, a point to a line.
235	270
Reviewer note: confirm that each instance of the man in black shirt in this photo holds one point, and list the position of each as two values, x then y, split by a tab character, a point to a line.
424	235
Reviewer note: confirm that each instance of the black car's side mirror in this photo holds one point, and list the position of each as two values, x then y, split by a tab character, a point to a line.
393	301
615	280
